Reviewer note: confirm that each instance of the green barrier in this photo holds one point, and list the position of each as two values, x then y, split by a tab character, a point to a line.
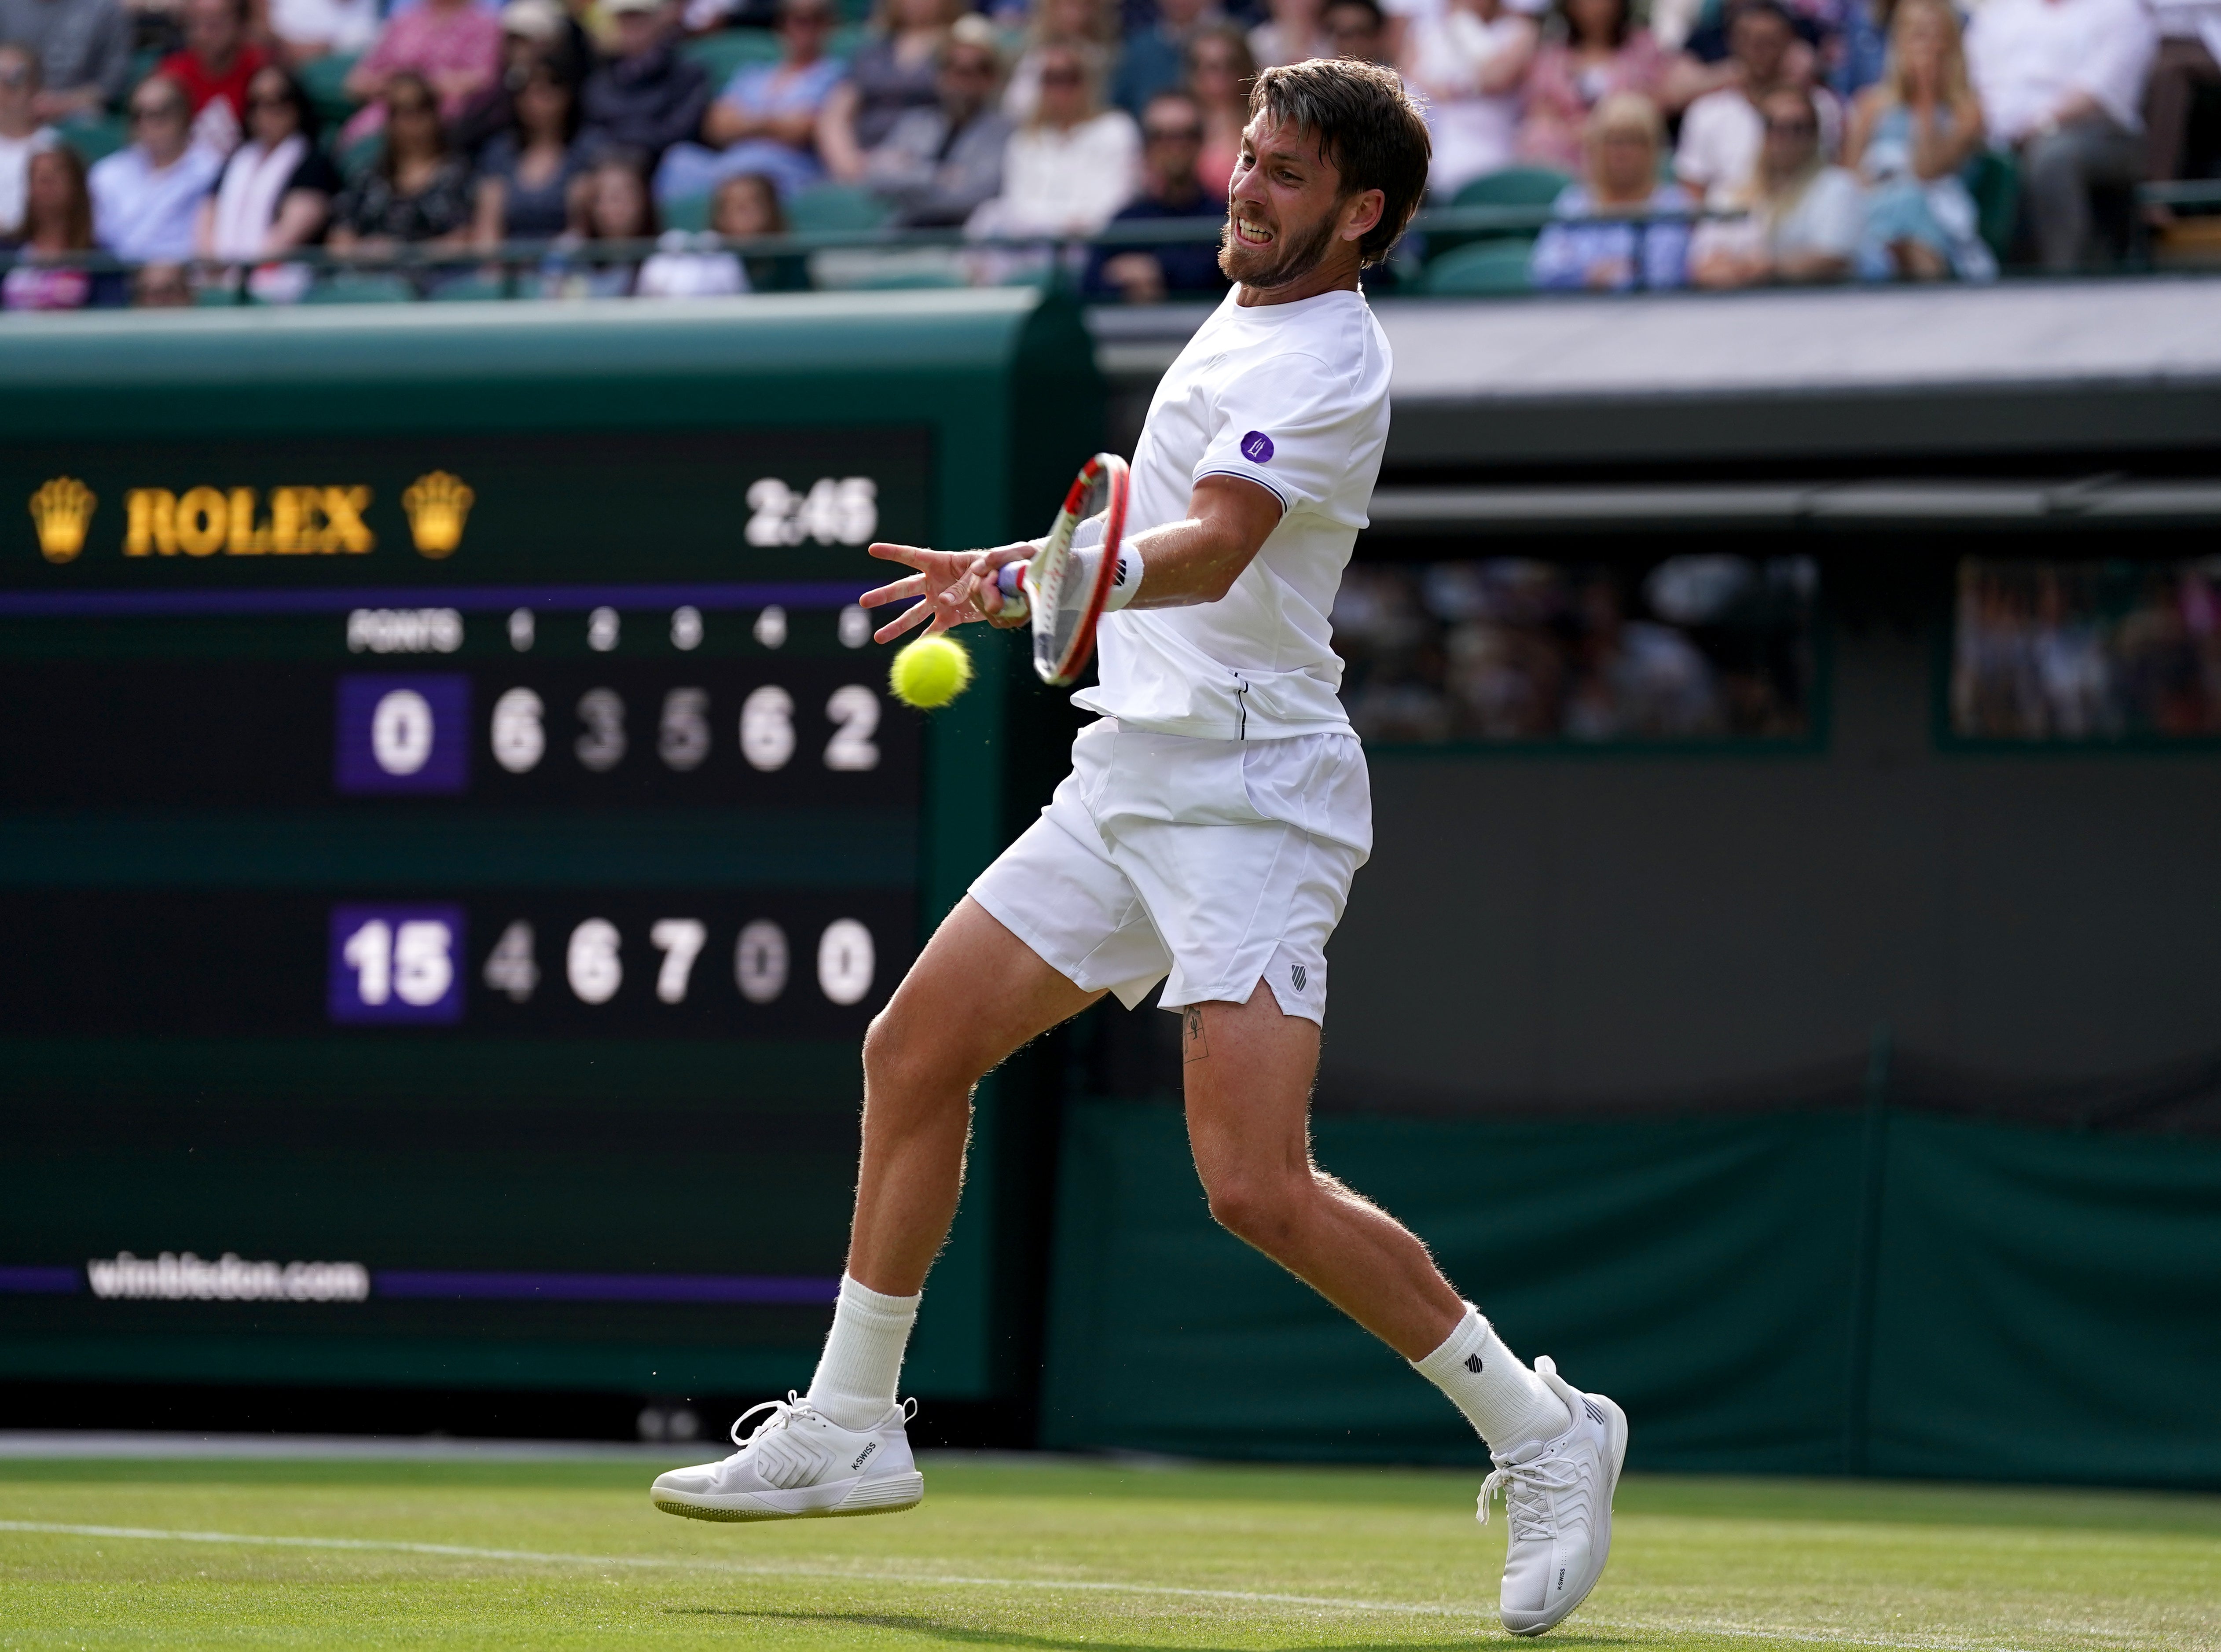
2047	1306
2044	1304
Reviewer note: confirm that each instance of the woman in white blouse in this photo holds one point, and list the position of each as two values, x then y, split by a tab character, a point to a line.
1073	165
275	195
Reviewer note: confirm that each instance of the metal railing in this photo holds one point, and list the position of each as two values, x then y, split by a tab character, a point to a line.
521	269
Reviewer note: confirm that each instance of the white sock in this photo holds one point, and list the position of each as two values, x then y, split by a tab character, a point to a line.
856	1374
1506	1403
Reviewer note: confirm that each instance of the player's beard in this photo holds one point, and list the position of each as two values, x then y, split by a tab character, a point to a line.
1277	264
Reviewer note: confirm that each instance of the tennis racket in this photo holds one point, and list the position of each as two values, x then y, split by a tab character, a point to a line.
1064	618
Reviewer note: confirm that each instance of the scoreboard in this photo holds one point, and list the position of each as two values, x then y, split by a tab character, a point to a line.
453	828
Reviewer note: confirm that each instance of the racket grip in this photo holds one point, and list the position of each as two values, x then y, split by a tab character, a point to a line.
1010	580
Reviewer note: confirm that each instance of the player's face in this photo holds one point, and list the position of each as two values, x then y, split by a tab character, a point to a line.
1284	207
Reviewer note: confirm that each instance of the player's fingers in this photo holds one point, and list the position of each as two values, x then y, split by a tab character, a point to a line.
916	556
909	620
913	586
952	605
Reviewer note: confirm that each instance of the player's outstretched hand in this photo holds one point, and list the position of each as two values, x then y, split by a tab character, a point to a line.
950	588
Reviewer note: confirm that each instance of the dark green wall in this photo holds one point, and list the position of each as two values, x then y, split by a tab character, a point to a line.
2029	1304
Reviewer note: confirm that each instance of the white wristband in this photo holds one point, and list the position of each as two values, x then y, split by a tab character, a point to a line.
1126	583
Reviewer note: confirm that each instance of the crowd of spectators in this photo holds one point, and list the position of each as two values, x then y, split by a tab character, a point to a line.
1692	648
2086	651
1716	143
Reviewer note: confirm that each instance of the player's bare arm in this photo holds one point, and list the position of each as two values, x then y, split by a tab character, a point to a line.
1196	559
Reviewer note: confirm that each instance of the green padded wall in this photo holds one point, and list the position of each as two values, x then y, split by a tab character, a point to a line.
2031	1304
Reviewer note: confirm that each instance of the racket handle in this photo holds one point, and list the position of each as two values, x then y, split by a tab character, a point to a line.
1010	580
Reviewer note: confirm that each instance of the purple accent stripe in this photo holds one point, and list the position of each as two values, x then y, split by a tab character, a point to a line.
607	1288
57	1282
791	593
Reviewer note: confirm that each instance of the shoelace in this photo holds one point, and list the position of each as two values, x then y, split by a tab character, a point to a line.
782	1411
1526	1488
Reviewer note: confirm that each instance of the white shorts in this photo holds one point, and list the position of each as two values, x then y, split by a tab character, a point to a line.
1217	862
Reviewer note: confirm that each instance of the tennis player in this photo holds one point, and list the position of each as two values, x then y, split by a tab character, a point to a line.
1205	838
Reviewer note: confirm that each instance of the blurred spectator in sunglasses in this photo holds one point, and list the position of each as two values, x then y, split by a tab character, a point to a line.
533	31
1356	28
83	49
1619	181
527	175
1806	220
1219	71
1155	56
1723	132
21	134
418	192
213	68
451	46
898	74
1172	137
1073	165
643	96
765	119
147	196
57	226
276	192
1602	51
938	165
1052	22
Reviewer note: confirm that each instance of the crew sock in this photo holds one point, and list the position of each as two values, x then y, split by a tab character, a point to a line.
1505	1401
856	1374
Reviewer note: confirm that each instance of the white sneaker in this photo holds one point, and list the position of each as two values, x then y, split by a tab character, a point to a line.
1559	1499
797	1465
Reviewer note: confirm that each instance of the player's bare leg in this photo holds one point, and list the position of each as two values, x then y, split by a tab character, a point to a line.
976	994
1248	1069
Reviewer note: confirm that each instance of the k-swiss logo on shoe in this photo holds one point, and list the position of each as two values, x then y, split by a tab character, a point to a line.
1595	1416
1299	975
1561	1578
867	1452
1473	1363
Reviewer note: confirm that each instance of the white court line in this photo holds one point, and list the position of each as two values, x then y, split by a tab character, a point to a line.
1247	1597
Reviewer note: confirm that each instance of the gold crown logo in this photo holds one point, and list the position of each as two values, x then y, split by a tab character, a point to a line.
437	505
62	510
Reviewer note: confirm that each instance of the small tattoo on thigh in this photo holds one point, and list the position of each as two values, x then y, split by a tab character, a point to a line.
1196	1048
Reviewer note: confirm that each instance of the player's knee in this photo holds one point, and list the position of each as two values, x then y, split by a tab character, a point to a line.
902	1057
1257	1208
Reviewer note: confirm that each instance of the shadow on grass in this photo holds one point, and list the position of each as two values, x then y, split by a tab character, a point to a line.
968	1635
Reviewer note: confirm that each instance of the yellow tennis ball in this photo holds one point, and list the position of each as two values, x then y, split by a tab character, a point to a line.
930	672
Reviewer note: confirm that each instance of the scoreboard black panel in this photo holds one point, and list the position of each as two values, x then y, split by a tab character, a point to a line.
454	832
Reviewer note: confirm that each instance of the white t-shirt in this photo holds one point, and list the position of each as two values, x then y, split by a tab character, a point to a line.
2027	57
1295	398
1064	183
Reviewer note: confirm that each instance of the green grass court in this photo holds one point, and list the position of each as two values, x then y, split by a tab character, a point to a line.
1058	1554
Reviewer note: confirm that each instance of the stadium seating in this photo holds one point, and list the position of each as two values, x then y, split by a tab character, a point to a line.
1483	266
835	206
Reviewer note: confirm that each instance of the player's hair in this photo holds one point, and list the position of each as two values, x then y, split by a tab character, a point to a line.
1367	127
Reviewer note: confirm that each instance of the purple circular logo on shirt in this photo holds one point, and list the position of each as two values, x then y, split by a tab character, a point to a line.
1257	448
